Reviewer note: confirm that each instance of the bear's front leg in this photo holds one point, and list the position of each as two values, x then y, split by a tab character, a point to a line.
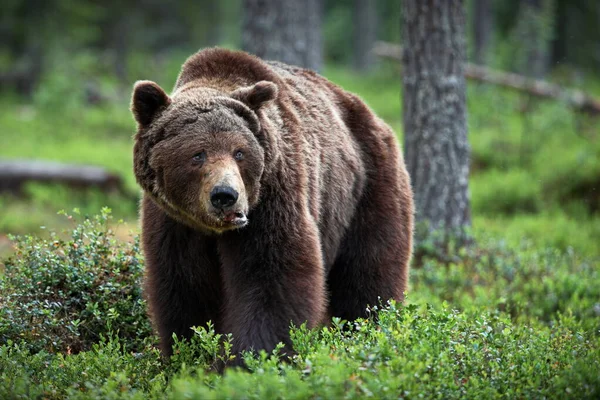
182	282
273	276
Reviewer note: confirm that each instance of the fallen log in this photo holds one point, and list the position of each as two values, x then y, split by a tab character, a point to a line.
15	173
576	99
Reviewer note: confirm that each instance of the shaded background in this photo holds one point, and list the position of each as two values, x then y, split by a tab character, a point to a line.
67	68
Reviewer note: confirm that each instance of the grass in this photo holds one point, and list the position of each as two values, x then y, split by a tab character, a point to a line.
98	136
555	229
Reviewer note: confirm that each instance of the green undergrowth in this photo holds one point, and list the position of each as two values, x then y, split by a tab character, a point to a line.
28	211
498	321
411	352
556	229
62	293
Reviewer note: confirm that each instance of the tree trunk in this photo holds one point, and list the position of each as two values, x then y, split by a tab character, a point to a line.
483	29
214	35
365	34
435	125
313	22
284	30
597	52
560	39
120	37
534	33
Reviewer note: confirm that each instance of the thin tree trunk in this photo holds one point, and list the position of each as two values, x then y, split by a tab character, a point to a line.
365	34
214	34
120	38
559	41
483	26
534	33
284	30
435	125
597	47
313	23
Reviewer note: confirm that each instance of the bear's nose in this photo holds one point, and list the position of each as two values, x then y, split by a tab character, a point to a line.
223	197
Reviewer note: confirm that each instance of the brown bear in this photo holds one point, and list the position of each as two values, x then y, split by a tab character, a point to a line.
271	197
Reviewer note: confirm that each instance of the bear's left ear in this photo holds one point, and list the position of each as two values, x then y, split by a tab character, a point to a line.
148	99
256	95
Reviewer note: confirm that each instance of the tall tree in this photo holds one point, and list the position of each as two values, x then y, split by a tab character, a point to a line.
576	37
365	34
483	30
533	35
435	125
284	30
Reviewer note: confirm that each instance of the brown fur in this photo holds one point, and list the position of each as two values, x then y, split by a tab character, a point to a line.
322	181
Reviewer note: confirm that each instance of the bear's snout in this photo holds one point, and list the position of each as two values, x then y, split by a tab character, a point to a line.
223	197
224	201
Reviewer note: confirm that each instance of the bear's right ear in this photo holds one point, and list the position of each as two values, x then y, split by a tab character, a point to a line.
148	99
256	95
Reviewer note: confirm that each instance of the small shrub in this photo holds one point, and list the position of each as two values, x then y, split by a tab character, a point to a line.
63	295
205	350
106	370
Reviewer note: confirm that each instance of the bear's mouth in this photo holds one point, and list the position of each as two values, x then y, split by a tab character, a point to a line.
236	218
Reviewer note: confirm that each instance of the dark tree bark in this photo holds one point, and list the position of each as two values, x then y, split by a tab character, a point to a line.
597	52
576	38
559	42
533	34
120	45
24	37
214	34
365	34
435	125
284	30
483	29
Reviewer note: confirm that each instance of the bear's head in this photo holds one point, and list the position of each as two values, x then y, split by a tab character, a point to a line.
199	153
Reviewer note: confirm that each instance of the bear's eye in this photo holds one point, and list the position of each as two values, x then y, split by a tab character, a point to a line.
199	158
238	155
